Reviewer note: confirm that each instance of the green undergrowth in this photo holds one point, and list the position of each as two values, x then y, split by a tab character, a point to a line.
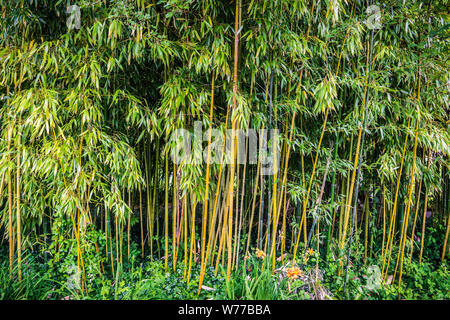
44	277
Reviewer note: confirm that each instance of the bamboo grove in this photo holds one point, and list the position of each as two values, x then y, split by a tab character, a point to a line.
87	113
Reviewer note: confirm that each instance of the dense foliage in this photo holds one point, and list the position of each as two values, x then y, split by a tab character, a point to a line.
89	189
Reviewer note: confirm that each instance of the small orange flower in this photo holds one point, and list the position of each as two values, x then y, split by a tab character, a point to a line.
294	273
260	254
310	251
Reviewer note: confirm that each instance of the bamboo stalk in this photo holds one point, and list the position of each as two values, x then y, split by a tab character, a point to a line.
233	137
415	219
393	214
10	225
444	251
425	207
310	184
358	154
191	250
408	206
205	206
166	215
19	238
